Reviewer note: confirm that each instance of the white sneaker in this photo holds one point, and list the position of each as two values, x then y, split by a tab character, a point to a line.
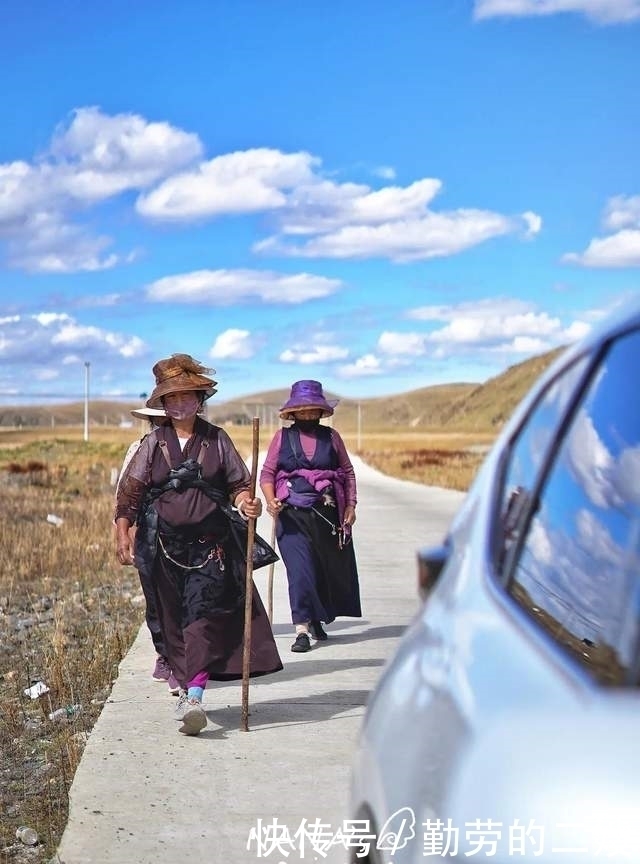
181	705
193	718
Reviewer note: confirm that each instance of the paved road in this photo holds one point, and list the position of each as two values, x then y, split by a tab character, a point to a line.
145	794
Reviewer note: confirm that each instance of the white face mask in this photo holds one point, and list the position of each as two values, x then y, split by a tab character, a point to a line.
180	406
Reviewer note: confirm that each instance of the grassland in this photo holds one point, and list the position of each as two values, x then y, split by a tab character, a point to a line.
69	613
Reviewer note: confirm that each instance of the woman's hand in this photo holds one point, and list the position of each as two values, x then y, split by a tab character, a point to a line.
124	550
349	515
274	507
124	542
250	508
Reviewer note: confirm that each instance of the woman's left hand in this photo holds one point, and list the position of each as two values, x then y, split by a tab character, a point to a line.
349	516
251	507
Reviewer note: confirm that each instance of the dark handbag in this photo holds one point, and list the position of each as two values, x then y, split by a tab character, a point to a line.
263	553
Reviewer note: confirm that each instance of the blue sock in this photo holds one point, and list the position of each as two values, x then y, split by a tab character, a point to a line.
195	693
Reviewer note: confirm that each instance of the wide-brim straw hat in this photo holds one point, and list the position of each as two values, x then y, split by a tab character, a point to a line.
178	374
144	413
307	394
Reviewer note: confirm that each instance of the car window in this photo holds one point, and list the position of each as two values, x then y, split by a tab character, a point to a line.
578	564
527	454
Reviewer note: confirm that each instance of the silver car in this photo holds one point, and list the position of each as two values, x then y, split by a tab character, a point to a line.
506	726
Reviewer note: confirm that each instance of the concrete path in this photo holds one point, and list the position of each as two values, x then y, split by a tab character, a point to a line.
145	794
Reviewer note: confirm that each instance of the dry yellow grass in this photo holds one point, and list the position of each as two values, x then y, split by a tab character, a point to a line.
447	460
69	613
67	617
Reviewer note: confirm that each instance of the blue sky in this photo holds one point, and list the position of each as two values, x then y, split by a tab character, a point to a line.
382	196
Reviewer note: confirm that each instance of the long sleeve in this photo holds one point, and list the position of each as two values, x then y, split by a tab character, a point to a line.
270	464
133	481
350	486
128	456
237	475
129	499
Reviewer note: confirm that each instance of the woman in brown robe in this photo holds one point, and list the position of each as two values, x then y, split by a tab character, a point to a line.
178	489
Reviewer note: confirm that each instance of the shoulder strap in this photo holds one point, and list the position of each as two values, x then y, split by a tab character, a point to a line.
164	448
208	433
202	451
293	439
162	443
165	452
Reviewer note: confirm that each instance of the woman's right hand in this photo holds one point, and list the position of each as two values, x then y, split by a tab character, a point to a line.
124	550
274	507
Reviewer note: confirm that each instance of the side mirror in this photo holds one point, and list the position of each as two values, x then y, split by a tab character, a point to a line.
431	562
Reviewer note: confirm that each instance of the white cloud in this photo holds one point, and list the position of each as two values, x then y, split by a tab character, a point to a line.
618	250
387	172
71	335
320	353
243	182
396	344
494	325
533	223
578	329
475	329
472	333
325	206
363	367
433	236
626	475
97	155
351	220
233	344
92	158
591	462
622	211
50	347
54	340
600	11
47	318
522	345
21	190
48	244
227	287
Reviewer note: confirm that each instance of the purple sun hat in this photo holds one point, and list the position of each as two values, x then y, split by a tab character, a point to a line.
307	394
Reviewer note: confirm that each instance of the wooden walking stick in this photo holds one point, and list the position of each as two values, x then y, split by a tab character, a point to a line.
270	574
248	591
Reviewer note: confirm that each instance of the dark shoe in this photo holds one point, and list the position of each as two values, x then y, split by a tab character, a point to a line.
162	670
302	644
318	631
174	685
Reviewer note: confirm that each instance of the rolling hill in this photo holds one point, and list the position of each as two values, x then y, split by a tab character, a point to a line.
459	407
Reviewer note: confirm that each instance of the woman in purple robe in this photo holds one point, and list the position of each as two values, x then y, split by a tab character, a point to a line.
309	485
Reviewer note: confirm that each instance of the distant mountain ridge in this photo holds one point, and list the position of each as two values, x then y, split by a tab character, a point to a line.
459	407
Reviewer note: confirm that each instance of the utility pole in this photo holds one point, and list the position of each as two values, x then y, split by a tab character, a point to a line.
87	366
359	427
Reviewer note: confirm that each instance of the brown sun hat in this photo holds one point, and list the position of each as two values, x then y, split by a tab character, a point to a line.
307	394
177	374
